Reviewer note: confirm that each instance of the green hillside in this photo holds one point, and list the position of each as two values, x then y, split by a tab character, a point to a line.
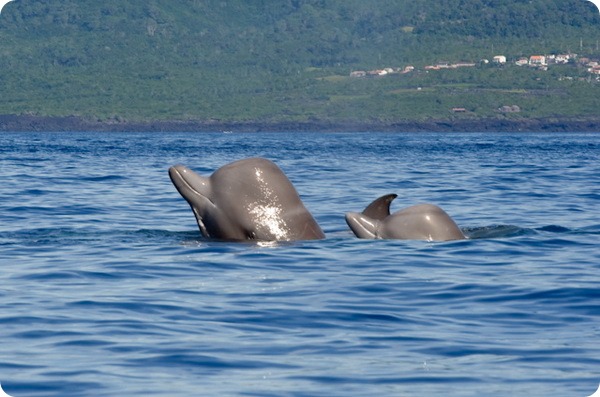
289	60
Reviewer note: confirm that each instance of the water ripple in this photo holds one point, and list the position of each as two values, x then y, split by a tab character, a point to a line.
109	289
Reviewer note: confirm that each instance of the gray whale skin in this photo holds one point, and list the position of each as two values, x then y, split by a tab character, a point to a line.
250	199
419	222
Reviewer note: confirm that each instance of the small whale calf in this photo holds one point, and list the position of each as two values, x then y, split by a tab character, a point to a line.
419	222
249	199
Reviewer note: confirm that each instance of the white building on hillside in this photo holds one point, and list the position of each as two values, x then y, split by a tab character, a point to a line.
537	60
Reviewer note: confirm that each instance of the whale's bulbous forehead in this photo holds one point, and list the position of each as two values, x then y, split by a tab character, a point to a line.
256	178
259	169
246	165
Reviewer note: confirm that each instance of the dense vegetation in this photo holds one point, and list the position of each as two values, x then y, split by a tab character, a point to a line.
289	60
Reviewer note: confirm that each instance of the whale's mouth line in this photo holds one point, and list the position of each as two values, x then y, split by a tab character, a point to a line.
181	180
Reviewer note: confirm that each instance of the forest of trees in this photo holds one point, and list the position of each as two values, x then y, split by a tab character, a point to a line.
261	59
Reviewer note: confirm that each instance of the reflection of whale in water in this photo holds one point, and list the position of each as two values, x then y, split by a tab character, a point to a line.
509	231
495	231
249	199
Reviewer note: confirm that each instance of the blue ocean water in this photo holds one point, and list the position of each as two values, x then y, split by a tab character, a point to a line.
107	288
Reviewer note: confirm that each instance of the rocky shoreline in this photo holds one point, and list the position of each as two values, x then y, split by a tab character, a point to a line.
26	123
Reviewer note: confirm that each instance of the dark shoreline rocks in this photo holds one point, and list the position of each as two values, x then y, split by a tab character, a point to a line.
27	123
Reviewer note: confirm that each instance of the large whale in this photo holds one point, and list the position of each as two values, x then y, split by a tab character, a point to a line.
419	222
249	199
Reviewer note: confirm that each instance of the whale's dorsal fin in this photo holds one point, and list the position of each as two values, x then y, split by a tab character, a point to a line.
380	208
